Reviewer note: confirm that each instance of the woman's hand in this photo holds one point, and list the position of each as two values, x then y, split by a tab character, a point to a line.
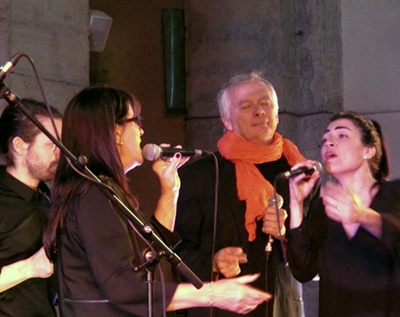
341	204
167	172
229	294
300	187
235	295
352	211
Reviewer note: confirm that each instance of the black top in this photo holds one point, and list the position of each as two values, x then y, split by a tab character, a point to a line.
195	220
358	276
97	253
22	219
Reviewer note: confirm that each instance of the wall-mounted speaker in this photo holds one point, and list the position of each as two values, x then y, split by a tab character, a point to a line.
173	24
100	25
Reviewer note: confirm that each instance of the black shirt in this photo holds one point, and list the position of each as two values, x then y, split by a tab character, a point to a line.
195	221
97	254
22	220
358	276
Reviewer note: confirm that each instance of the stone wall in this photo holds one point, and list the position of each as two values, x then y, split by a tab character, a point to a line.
371	66
54	34
295	45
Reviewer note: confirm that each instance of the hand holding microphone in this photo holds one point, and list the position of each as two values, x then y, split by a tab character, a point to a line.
167	172
304	169
300	188
151	152
271	220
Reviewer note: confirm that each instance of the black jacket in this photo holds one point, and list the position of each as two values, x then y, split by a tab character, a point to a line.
195	221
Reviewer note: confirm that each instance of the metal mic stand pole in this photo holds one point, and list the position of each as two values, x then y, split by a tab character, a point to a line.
145	229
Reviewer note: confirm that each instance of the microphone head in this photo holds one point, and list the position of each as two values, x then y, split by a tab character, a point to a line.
151	152
319	167
278	202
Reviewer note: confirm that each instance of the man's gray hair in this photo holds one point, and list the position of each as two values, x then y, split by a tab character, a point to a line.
223	96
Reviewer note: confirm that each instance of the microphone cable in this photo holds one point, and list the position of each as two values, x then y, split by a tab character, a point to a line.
214	235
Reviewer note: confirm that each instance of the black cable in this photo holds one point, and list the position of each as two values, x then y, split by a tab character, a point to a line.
80	167
42	91
214	237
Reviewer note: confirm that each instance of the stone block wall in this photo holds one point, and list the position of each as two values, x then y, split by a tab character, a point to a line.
371	66
54	34
295	45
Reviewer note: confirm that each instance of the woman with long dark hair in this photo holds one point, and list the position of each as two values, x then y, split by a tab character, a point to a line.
95	248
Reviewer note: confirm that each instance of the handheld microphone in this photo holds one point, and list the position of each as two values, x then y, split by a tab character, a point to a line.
151	152
278	203
307	170
4	70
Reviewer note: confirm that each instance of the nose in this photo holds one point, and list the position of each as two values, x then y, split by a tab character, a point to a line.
329	142
259	111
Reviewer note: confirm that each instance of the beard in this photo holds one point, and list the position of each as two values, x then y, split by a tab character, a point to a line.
41	170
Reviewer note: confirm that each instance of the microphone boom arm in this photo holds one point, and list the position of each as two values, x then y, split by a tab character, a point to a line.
144	228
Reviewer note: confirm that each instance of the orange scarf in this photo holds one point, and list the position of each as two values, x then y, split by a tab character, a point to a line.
250	183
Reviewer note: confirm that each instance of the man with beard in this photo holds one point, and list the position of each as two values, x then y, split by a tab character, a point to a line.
31	160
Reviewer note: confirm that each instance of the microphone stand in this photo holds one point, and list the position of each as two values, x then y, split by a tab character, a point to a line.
142	226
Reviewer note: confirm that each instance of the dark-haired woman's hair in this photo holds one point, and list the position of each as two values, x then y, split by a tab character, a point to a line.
371	135
13	123
89	130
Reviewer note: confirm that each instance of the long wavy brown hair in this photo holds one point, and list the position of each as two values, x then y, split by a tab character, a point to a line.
89	130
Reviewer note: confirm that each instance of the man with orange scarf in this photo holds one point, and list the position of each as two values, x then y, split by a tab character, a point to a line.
230	240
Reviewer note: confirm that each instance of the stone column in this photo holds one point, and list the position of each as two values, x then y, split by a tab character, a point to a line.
296	45
54	34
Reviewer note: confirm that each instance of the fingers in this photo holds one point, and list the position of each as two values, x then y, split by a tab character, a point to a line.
176	158
311	179
246	279
301	186
242	258
233	251
227	260
270	222
309	163
174	161
236	295
253	293
271	216
252	297
166	170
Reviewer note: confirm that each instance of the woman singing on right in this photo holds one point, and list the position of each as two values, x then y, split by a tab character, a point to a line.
350	235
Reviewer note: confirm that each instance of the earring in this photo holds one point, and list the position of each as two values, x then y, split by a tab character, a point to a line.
120	143
365	157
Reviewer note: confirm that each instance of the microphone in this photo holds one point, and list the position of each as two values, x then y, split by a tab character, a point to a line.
307	170
4	70
277	203
151	152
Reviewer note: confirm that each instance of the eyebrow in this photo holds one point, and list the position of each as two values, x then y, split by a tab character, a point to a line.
337	128
266	97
